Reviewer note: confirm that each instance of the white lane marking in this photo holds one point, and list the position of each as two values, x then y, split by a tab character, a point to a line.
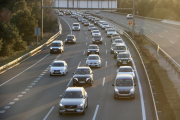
165	31
37	78
11	103
68	25
86	37
79	63
46	70
48	113
156	27
106	63
143	28
19	95
7	107
160	36
16	99
105	43
106	51
69	82
103	81
2	111
86	43
95	113
151	31
177	35
29	86
141	94
171	42
23	93
26	89
33	83
83	52
24	70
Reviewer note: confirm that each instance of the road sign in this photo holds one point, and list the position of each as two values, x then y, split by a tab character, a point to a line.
130	23
37	31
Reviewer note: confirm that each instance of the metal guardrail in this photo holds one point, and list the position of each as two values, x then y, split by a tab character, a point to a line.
134	44
33	51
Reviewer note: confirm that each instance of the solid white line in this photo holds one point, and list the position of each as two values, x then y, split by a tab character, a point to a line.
141	94
48	113
95	113
2	111
86	43
68	25
103	81
160	36
7	107
23	71
105	43
11	103
69	82
79	63
86	37
83	52
177	35
106	51
106	63
171	42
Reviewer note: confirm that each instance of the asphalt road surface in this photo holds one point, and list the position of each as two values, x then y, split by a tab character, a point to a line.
27	92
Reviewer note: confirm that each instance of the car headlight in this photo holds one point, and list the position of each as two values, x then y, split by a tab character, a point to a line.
116	90
120	61
61	105
132	90
129	60
51	48
97	62
88	51
76	79
81	104
59	48
51	70
88	79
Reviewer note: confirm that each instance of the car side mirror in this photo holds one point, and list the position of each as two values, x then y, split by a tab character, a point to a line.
112	84
50	65
134	84
85	96
131	56
60	96
73	73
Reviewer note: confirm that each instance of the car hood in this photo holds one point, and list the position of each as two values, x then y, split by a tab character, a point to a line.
93	61
123	58
92	49
82	75
131	73
56	47
71	101
57	68
111	32
125	88
97	38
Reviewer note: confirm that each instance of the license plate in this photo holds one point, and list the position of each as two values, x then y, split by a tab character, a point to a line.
55	50
70	109
124	62
69	41
81	81
57	72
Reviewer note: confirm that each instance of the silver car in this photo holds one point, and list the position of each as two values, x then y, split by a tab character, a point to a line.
119	48
57	46
96	21
93	60
93	28
93	49
104	25
58	67
106	29
126	70
110	32
124	86
112	47
101	22
96	32
90	26
118	41
76	26
73	15
74	100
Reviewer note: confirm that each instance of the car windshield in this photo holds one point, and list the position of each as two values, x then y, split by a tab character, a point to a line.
108	27
93	58
82	71
91	25
125	70
93	47
120	48
75	24
70	37
118	41
86	22
96	20
97	36
73	94
123	56
111	30
55	44
95	31
116	37
56	64
124	82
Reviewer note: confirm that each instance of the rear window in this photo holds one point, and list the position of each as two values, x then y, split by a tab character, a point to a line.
125	70
93	47
120	48
75	24
123	55
124	82
58	64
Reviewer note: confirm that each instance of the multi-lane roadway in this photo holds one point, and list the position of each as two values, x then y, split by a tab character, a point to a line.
28	92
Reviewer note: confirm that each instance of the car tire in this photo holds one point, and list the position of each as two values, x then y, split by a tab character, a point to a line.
87	103
64	74
91	83
50	74
51	52
83	113
115	96
111	52
60	113
114	57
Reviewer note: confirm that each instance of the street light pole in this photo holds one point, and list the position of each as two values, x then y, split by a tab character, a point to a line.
41	19
133	19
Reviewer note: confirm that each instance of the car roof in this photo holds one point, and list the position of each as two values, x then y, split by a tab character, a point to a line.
74	89
83	67
124	52
118	39
70	35
75	23
96	30
125	67
121	44
57	41
93	55
93	45
59	61
123	76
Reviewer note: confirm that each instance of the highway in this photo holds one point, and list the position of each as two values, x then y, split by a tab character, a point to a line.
27	92
166	35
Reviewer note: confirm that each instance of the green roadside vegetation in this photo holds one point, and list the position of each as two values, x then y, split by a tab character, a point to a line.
161	9
18	19
166	93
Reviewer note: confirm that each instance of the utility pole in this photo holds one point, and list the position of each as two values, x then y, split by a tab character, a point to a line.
133	18
41	19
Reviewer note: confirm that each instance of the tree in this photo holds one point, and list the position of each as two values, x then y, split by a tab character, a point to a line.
26	23
20	5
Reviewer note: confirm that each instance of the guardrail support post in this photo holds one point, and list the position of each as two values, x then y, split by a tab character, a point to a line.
157	105
41	19
154	95
159	115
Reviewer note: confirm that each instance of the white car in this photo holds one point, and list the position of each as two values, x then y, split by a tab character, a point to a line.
76	26
126	70
101	22
110	32
60	14
117	41
97	12
93	60
106	28
129	16
58	67
93	28
96	32
104	25
73	15
90	26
